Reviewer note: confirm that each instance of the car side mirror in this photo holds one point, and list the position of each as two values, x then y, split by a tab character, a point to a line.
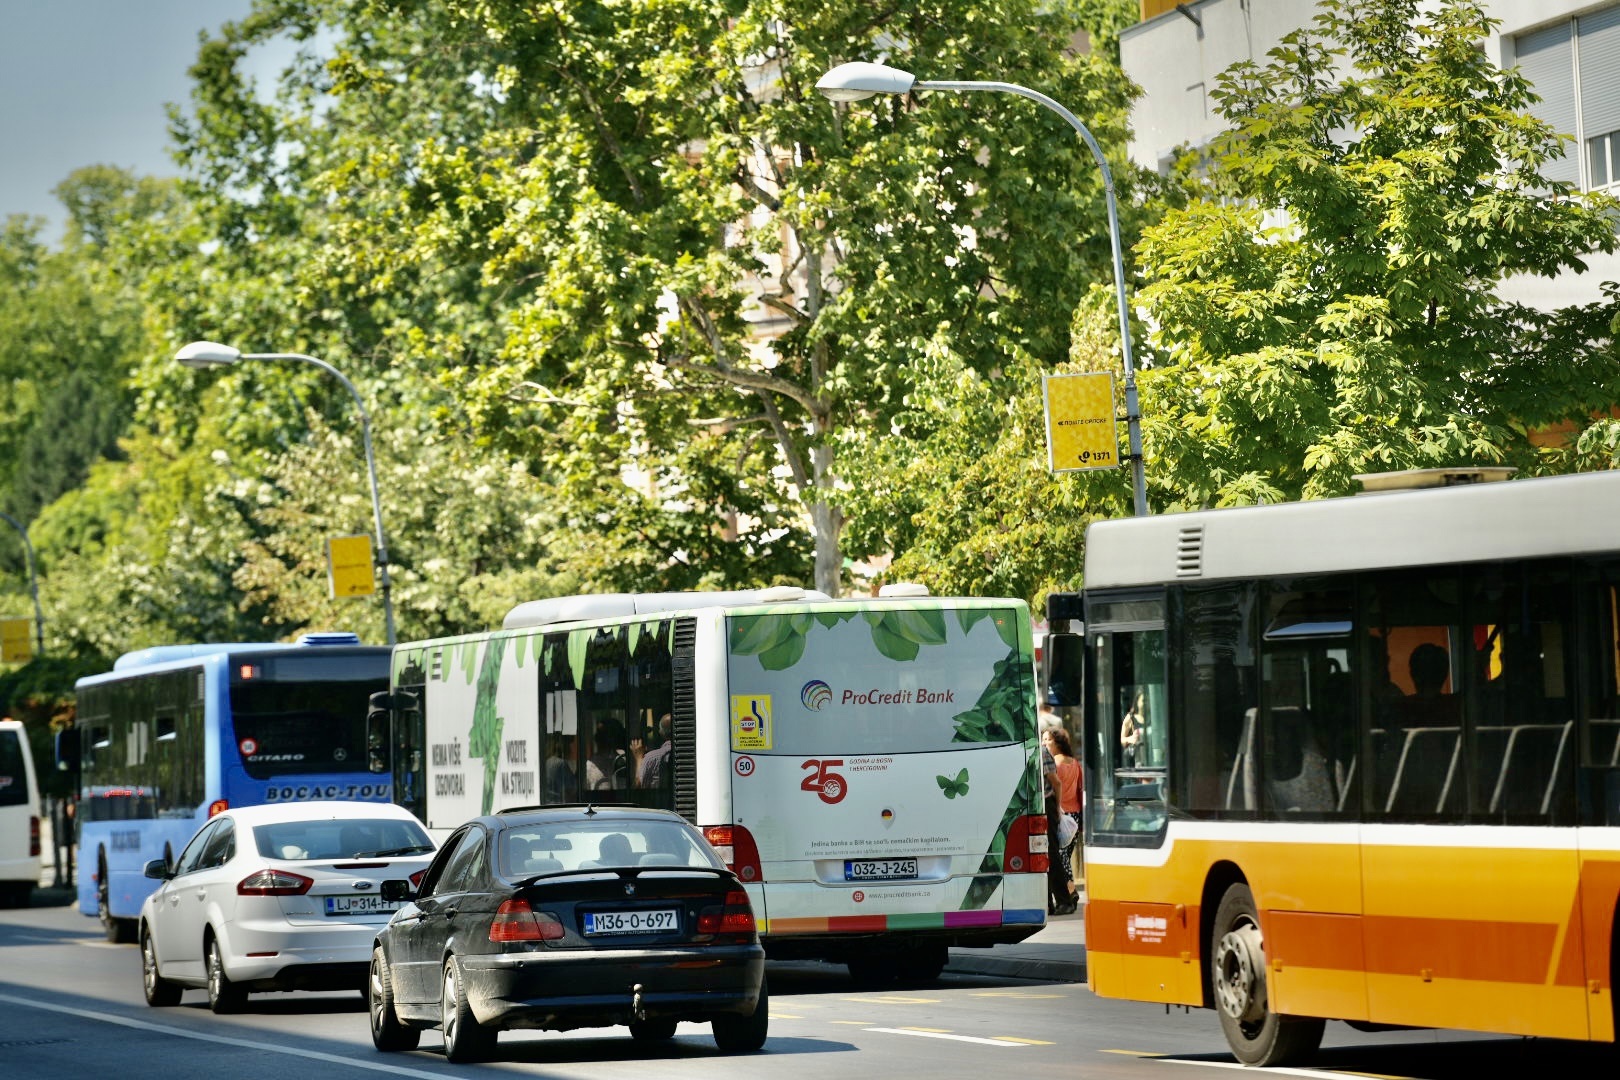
159	869
398	890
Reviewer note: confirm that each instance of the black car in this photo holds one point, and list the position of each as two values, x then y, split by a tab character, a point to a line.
566	917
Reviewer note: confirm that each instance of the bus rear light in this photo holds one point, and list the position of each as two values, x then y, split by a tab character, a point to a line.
274	883
515	920
736	848
734	919
218	806
33	837
1026	851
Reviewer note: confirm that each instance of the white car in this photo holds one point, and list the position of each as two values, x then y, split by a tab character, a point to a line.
279	897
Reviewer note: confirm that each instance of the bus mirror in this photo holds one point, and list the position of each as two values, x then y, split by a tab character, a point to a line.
1064	657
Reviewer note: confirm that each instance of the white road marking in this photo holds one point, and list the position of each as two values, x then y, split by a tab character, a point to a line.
946	1035
245	1044
1318	1074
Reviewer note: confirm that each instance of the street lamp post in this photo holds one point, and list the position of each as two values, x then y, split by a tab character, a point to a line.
203	354
856	81
33	584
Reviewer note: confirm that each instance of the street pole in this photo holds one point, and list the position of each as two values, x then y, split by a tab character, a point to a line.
852	82
33	584
209	354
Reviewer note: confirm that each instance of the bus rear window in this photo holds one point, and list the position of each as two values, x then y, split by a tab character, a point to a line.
313	723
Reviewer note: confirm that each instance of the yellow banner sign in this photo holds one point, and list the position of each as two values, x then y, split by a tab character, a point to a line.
349	568
751	722
16	641
1080	422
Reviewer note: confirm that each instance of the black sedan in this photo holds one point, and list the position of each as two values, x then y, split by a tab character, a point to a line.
568	917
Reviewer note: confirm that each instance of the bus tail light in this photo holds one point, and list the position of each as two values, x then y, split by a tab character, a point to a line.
735	919
33	837
1026	851
274	883
736	848
515	920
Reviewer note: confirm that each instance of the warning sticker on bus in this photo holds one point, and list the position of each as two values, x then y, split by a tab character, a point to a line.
750	721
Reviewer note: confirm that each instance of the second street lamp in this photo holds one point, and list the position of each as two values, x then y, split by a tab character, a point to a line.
203	354
857	81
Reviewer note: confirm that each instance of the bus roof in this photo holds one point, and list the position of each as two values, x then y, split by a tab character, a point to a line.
162	654
561	609
1510	519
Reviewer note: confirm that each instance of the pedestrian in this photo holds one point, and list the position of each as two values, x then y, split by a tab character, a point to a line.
1066	775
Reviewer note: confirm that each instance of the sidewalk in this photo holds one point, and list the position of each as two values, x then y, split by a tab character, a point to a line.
1056	954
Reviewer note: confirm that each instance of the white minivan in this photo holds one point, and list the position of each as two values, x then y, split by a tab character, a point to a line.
19	816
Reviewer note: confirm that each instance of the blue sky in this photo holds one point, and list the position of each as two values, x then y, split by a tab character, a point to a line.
85	82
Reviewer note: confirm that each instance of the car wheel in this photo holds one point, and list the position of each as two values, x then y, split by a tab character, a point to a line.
224	996
739	1034
465	1039
160	992
118	931
1237	976
387	1033
652	1030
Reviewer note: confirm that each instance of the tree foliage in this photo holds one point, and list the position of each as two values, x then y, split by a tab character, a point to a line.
1334	303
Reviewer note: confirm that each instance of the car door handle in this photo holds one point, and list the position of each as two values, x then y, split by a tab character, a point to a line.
202	894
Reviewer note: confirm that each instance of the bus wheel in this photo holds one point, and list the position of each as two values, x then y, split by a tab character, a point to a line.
118	931
920	965
1237	976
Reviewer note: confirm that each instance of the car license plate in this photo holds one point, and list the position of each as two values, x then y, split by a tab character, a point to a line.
879	869
359	905
632	922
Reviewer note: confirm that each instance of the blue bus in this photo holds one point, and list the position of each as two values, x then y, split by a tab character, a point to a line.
178	733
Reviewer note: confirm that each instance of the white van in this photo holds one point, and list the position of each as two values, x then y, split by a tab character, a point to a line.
19	816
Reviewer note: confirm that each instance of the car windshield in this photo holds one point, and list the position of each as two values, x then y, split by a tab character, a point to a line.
351	838
551	848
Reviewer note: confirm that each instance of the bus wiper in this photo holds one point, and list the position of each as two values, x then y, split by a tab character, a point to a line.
413	849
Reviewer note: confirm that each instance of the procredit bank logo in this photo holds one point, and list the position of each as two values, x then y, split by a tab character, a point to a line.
815	694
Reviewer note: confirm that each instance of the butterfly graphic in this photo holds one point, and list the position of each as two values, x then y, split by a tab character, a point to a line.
953	788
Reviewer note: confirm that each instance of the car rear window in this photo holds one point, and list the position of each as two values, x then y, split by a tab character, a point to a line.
344	839
13	780
541	849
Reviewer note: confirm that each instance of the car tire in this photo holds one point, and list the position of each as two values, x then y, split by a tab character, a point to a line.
742	1034
1237	976
465	1039
160	992
224	996
387	1033
652	1030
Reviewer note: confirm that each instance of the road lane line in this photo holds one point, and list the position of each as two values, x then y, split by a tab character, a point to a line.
1030	1042
1316	1074
945	1035
245	1044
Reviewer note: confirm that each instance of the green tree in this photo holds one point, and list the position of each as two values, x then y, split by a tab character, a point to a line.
695	271
1332	305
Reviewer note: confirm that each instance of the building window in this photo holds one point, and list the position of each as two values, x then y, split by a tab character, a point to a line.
1603	160
1574	66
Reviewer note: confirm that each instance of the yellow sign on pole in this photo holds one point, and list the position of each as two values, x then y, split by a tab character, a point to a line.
349	567
16	641
1080	422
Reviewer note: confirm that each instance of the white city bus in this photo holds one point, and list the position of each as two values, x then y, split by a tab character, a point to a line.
19	816
867	767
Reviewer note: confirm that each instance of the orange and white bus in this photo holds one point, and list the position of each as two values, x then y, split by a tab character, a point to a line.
1376	777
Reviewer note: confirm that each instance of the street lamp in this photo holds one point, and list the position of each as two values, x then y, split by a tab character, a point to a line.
33	583
858	81
205	354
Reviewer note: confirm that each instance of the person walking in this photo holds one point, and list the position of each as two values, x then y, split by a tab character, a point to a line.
1066	783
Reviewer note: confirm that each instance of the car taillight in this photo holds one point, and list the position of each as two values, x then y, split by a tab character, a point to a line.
515	920
416	878
274	883
736	848
1026	851
218	806
735	917
33	837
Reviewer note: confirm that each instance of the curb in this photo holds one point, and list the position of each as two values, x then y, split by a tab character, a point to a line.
974	962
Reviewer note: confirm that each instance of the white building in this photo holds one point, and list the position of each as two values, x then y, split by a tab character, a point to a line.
1569	49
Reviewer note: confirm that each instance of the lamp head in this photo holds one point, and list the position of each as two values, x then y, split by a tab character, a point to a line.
204	354
860	80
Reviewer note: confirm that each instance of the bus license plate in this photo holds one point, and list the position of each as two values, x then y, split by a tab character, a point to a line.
360	905
879	869
632	922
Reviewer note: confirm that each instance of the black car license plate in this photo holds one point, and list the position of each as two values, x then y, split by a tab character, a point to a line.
879	869
360	905
652	921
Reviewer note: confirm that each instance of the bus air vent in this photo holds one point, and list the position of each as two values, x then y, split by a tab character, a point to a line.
1190	551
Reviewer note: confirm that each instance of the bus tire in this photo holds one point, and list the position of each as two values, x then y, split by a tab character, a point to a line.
1237	976
118	931
920	965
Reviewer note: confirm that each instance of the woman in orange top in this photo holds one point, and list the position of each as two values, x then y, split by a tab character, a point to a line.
1068	792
